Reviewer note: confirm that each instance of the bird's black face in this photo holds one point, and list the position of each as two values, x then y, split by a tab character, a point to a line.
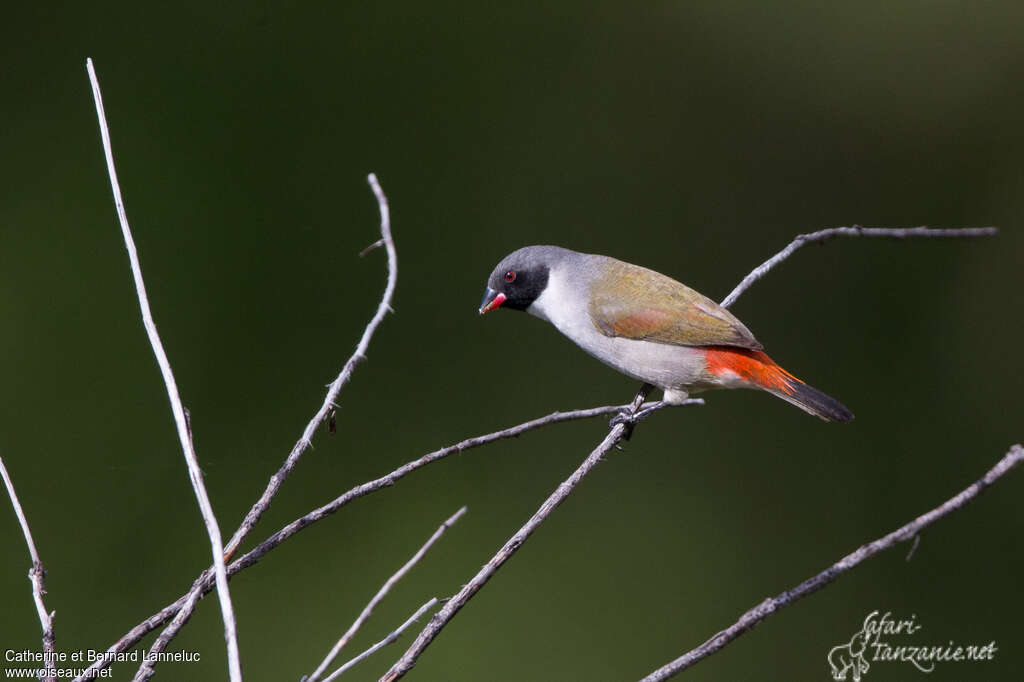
516	283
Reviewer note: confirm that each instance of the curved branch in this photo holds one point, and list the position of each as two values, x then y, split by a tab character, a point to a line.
907	532
855	231
383	308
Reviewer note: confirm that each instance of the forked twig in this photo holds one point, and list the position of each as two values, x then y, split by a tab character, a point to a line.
384	642
37	576
442	617
365	614
188	603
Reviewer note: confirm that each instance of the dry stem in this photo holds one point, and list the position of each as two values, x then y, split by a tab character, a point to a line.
380	595
195	473
769	606
36	575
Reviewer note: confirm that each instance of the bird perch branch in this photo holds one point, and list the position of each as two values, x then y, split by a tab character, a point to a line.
205	581
37	575
195	473
442	617
769	606
617	432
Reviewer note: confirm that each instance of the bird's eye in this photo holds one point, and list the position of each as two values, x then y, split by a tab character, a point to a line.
510	276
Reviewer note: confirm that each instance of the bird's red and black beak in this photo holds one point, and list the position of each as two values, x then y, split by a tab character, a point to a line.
492	299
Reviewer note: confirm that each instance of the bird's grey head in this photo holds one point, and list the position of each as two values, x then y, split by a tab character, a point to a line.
521	277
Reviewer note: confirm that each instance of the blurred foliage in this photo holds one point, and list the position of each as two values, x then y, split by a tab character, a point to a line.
693	138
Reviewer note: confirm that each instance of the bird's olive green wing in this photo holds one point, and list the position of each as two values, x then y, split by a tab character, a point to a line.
636	303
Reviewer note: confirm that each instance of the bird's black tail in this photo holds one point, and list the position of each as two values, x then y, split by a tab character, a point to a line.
812	401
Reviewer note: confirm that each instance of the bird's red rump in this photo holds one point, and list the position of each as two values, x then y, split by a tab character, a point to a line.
749	365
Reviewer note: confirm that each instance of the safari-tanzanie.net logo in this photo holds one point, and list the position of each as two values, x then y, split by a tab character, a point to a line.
883	639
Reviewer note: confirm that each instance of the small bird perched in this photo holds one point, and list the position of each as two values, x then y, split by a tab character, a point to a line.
646	325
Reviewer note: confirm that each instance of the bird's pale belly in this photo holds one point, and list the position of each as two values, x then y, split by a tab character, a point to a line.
676	369
663	365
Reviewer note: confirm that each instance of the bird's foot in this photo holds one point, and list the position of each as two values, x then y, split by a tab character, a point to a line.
629	418
647	409
625	417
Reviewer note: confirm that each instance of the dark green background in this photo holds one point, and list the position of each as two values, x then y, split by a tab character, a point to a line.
694	138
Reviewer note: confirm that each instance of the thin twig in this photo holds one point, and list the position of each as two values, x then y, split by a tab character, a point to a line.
383	308
37	576
769	606
195	474
913	548
380	595
441	618
147	668
855	231
384	642
305	441
205	580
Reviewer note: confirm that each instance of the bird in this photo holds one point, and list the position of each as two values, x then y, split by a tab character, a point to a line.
646	325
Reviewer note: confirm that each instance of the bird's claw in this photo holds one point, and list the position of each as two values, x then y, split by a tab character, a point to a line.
627	418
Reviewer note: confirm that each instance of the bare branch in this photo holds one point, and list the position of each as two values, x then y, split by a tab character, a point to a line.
305	441
907	532
384	642
335	387
205	580
855	231
37	576
620	431
147	668
379	596
195	474
441	618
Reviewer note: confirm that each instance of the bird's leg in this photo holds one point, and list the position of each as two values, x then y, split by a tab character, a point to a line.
627	414
647	409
